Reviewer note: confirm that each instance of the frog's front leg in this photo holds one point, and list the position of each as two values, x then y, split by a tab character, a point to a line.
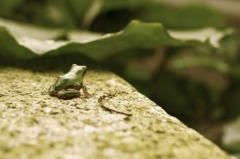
85	92
68	94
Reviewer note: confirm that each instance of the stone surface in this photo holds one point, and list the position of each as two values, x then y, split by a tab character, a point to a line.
35	125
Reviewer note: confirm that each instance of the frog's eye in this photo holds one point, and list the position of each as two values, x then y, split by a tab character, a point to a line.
84	67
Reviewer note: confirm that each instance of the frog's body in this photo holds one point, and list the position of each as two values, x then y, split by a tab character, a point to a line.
68	86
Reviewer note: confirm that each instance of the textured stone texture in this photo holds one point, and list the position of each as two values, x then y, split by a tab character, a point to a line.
35	125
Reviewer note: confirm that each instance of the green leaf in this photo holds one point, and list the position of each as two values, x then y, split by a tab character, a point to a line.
211	35
56	14
35	41
184	17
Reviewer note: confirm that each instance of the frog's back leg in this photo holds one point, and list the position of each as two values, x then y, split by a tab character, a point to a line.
68	94
51	91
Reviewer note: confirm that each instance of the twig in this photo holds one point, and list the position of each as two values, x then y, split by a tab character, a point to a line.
100	101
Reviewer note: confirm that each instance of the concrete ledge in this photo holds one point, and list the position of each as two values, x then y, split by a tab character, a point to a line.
35	125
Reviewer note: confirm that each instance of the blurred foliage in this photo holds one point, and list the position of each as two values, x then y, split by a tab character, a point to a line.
184	58
231	138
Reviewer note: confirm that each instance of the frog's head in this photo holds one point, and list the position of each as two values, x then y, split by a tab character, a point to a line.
80	70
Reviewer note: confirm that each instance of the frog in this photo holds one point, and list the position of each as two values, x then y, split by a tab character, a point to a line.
68	86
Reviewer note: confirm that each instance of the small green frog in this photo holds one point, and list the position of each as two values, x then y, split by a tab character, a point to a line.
68	86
